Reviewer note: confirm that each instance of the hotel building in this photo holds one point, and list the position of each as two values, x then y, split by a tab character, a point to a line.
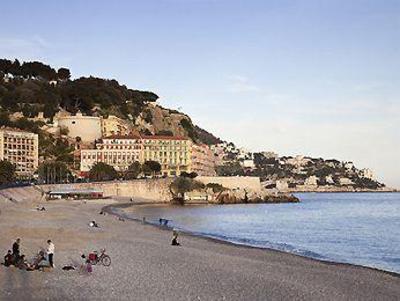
21	149
173	153
116	150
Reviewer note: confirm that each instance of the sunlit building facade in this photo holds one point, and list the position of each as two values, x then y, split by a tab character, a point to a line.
116	150
173	153
21	149
202	160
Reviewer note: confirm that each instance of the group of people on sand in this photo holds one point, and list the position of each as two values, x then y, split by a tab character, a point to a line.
41	260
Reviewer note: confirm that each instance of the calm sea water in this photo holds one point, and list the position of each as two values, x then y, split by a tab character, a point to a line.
358	228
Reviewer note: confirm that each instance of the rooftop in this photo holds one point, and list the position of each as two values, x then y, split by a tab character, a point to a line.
147	137
164	137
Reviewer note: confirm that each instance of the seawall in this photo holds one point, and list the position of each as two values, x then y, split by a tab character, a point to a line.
153	190
150	189
243	183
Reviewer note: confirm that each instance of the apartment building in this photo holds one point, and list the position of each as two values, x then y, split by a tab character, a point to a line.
202	160
21	149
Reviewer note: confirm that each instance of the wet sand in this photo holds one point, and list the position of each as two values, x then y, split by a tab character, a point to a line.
146	267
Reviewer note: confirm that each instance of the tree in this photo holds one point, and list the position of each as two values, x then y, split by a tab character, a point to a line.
7	172
216	187
181	185
53	172
102	172
133	171
191	175
63	73
151	167
230	169
189	128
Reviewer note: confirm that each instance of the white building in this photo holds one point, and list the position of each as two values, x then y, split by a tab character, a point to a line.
345	181
117	151
88	128
311	181
298	161
282	185
367	173
247	163
329	180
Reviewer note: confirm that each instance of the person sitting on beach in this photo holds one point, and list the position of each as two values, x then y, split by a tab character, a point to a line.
88	267
93	224
23	264
39	261
8	259
174	241
163	222
38	208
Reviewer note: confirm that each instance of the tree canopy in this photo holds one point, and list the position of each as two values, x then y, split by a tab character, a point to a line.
7	172
151	167
181	185
30	92
102	172
133	171
53	172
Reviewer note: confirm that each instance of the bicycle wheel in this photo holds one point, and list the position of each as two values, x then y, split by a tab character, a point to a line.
106	260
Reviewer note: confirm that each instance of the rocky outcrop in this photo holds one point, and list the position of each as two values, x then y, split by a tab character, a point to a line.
244	197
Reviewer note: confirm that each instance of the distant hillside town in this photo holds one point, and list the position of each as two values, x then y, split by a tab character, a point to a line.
290	174
54	129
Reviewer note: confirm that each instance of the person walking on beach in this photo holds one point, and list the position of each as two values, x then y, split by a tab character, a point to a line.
50	252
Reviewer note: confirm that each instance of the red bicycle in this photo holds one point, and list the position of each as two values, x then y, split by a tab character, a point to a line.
103	258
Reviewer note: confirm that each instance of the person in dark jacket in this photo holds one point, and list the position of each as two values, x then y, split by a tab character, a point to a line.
16	249
8	259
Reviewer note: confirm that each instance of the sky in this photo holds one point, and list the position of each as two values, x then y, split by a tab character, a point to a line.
318	78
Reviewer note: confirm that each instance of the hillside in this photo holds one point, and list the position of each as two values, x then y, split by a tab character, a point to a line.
30	88
33	87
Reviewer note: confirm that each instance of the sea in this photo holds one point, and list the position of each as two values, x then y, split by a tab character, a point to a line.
356	228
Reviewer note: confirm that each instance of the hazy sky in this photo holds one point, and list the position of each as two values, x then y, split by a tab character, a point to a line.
319	78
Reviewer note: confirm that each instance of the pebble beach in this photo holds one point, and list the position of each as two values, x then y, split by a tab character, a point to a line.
146	267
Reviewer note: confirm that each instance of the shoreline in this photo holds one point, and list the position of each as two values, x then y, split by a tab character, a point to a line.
344	191
144	265
109	210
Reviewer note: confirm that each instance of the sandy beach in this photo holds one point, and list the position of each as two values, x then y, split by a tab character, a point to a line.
146	267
